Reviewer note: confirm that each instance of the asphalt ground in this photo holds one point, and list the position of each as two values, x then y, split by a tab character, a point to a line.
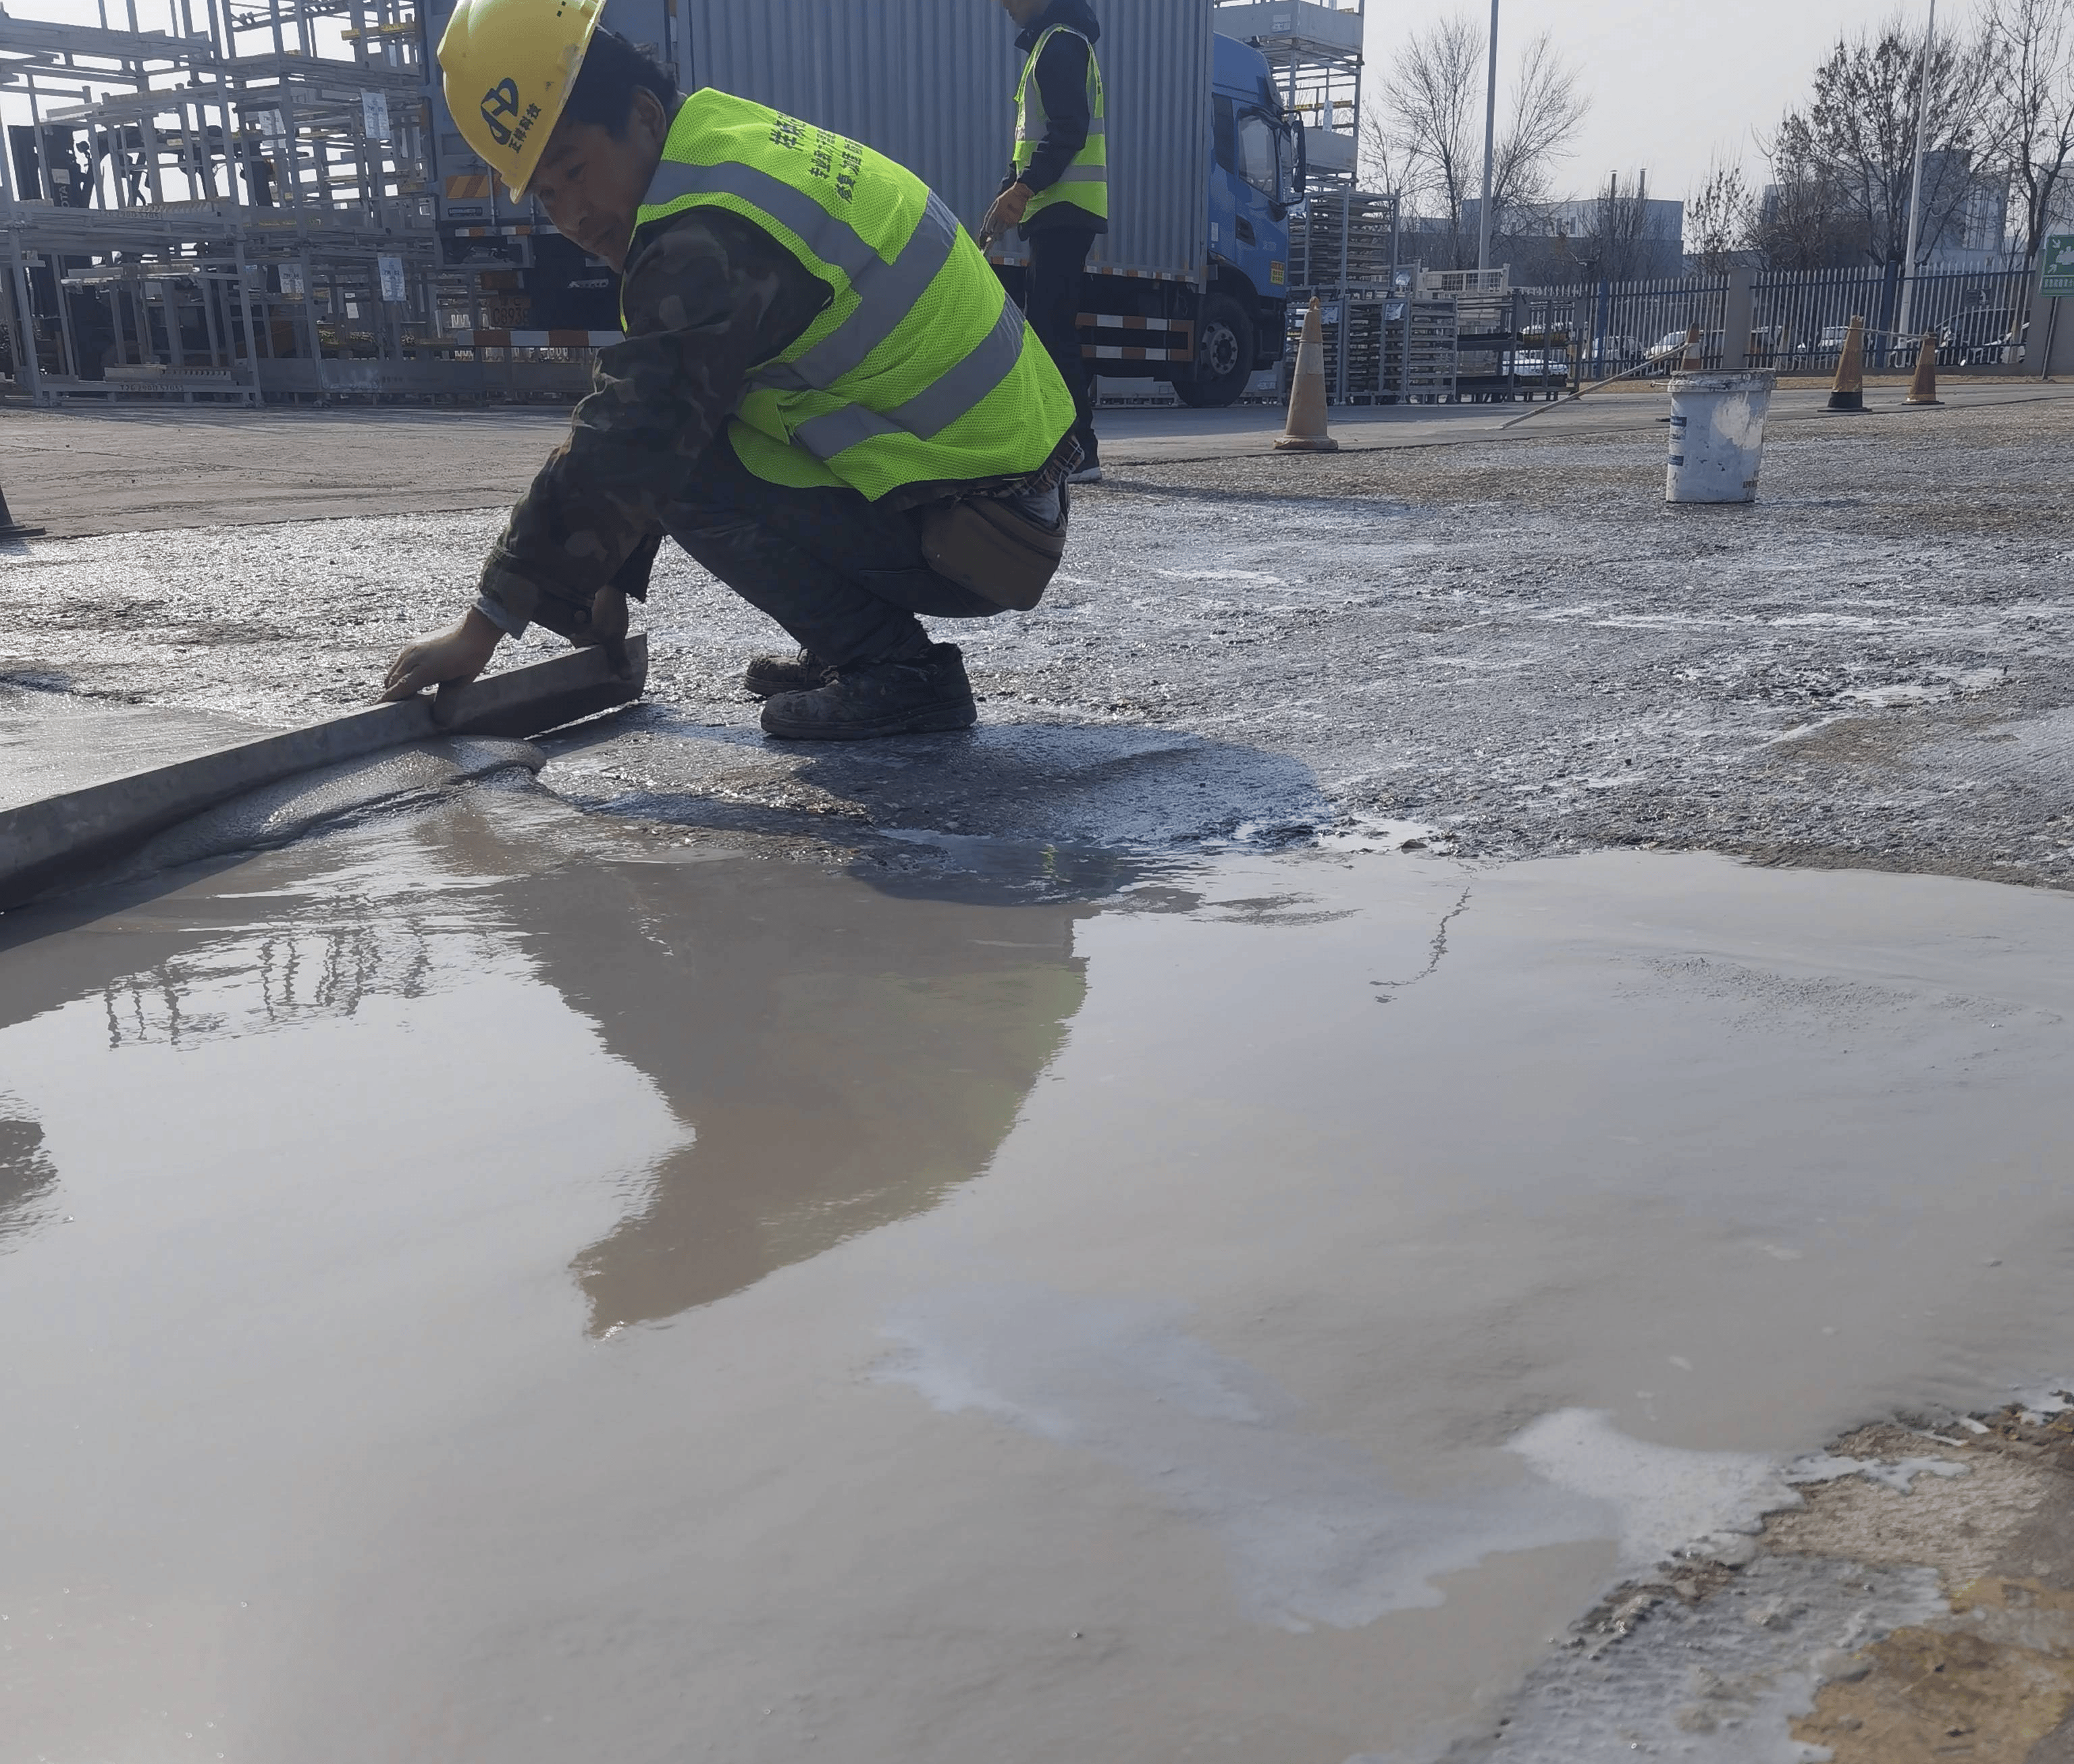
1508	646
138	468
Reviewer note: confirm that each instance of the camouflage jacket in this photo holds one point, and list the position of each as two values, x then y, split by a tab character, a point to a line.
707	295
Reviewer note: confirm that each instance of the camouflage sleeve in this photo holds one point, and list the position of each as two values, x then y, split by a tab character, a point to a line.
707	295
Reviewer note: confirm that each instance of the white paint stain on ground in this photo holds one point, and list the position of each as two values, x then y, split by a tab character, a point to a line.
1667	1498
1899	1475
1380	833
1314	1533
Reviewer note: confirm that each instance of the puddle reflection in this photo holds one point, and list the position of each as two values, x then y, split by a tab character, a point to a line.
843	1056
840	1056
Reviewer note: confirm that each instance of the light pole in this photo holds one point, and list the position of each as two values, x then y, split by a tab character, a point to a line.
1490	142
1916	190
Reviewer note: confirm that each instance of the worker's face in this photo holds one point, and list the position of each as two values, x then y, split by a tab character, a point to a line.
1023	11
591	181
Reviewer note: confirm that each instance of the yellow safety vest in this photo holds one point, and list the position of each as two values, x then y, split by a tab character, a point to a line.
1084	182
920	371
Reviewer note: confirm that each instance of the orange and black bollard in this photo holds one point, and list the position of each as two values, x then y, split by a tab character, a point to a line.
1305	431
11	528
1848	393
1923	389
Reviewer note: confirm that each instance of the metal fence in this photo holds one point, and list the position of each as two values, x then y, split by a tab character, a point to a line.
1525	343
1618	327
1799	319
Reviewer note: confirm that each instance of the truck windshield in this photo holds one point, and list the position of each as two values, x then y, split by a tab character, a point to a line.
1257	164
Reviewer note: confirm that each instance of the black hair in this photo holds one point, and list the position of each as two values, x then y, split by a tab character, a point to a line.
613	71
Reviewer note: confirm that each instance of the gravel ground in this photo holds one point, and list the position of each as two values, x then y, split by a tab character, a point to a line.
1509	647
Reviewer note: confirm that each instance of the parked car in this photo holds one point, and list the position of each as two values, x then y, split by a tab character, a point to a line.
1670	349
1989	337
1613	354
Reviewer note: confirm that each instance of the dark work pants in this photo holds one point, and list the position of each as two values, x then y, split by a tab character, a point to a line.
1057	266
844	575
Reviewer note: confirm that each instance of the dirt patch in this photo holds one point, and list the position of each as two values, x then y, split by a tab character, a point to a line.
1961	1526
1988	1685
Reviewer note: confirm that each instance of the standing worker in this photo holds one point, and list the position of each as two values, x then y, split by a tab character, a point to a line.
824	395
1057	186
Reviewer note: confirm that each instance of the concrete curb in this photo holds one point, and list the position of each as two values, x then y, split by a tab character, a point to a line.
46	842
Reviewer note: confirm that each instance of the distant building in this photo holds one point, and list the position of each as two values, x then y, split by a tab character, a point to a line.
1975	222
1619	238
1966	219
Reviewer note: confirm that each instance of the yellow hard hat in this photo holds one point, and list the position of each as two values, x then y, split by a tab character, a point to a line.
509	66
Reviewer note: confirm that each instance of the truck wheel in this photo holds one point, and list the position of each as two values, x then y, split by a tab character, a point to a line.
1224	355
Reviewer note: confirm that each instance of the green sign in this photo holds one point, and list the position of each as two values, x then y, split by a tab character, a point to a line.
2059	265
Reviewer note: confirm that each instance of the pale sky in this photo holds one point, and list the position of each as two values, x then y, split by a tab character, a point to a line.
1670	81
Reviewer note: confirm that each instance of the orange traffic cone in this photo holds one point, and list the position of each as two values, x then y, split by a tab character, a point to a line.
1305	430
1691	362
1923	389
1848	393
11	528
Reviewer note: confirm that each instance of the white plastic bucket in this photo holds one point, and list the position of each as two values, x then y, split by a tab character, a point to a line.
1716	436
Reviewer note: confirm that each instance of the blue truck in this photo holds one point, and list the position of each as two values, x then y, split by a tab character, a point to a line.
1209	320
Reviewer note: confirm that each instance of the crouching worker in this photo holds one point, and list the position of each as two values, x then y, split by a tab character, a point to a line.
824	396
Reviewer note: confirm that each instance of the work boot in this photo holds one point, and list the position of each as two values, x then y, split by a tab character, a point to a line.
768	675
1088	471
909	696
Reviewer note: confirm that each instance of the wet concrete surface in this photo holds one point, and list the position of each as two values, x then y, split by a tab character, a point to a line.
51	741
956	1248
1516	647
485	1281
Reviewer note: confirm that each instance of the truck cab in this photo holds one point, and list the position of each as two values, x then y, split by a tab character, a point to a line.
1257	175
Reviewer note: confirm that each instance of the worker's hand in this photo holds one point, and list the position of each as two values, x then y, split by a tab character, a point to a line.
607	630
1007	211
460	654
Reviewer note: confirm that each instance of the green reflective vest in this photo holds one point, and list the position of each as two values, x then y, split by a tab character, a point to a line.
1085	182
919	370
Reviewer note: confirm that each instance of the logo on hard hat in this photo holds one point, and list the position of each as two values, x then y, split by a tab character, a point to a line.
500	101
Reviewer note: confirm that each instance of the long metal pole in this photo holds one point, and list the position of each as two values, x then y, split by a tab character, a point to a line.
1916	190
1490	146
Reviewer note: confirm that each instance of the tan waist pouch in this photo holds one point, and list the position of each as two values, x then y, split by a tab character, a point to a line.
984	545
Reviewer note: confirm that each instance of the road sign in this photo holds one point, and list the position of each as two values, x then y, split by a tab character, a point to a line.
2058	266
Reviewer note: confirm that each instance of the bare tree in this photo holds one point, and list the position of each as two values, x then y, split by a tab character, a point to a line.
1609	245
1429	121
2030	106
1845	161
1548	108
1721	221
1429	125
1803	221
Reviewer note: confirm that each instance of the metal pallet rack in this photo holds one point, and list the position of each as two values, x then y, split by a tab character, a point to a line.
1398	350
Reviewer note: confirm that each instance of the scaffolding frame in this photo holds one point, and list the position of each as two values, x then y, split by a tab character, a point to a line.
239	205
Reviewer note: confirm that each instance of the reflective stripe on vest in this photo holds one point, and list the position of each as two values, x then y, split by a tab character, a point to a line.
919	370
1084	182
